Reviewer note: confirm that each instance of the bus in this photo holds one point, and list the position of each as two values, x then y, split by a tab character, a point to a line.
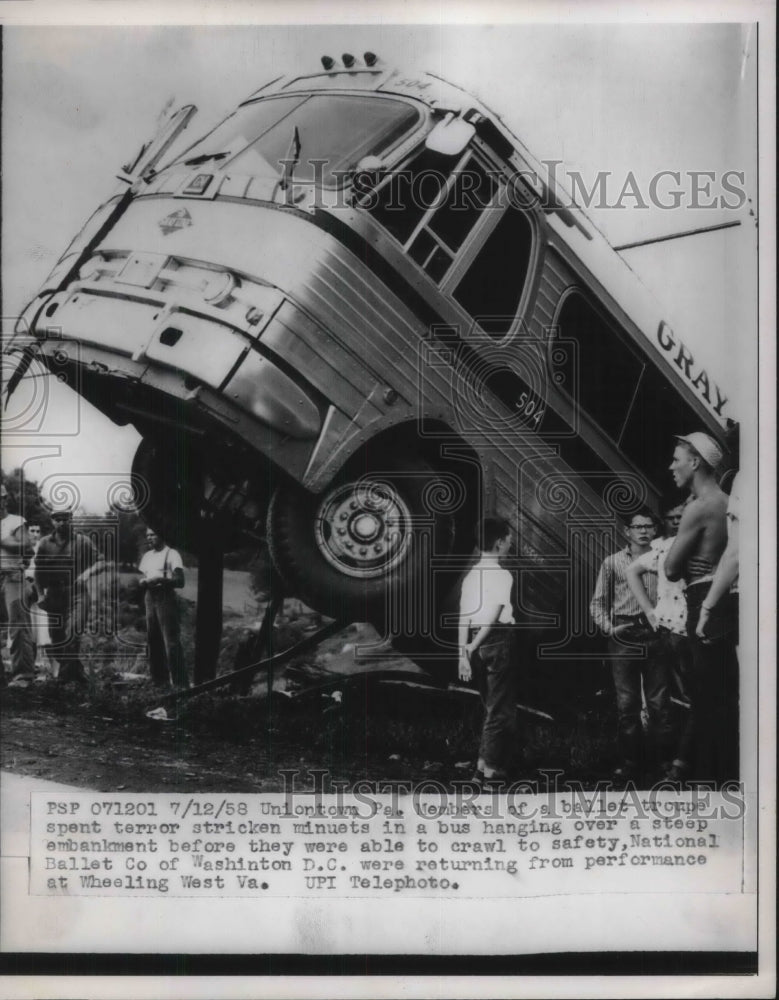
351	320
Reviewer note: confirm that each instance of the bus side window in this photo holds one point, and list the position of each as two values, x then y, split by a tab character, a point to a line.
655	418
601	373
624	392
494	282
472	191
432	205
401	202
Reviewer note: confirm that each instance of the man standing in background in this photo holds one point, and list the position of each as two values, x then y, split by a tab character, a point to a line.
64	562
668	618
14	549
163	575
38	618
617	613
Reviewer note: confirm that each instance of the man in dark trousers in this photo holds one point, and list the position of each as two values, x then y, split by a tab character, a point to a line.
617	613
162	575
64	562
711	733
485	636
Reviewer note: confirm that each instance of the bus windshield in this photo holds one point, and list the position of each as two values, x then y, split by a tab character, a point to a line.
336	131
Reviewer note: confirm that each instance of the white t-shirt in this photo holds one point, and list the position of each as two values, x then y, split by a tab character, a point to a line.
484	587
158	565
671	607
12	526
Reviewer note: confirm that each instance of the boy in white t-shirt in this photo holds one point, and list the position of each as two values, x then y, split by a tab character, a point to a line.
485	649
163	574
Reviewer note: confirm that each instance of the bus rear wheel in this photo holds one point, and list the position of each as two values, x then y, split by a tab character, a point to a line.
167	492
362	549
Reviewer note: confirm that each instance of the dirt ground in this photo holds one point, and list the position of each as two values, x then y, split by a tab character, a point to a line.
325	712
241	744
320	715
230	744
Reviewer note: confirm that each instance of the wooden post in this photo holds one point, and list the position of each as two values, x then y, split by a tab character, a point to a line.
208	621
260	647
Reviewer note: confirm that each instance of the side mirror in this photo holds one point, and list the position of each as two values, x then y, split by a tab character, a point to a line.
450	136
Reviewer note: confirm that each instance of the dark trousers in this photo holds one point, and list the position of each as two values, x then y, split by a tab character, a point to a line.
16	617
710	738
166	658
495	673
629	672
67	613
676	649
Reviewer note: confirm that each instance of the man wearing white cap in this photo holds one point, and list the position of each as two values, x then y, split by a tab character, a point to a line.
711	733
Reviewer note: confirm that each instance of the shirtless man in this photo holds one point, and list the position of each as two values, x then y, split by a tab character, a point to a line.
710	736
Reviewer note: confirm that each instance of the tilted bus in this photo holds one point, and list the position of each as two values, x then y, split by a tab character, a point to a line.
354	318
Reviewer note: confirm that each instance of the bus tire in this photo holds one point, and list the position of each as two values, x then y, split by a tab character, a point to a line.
361	550
167	502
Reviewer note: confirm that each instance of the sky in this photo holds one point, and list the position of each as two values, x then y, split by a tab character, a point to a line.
626	99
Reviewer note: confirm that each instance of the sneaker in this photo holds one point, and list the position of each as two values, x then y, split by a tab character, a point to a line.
496	781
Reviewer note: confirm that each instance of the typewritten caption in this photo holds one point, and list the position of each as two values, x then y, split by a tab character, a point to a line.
358	845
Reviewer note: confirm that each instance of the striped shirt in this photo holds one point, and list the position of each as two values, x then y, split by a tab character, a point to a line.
613	595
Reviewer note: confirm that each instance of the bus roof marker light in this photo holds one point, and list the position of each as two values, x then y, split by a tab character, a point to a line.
370	58
328	62
348	60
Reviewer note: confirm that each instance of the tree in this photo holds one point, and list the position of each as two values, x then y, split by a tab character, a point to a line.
25	499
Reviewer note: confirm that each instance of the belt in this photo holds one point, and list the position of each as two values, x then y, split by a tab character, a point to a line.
496	627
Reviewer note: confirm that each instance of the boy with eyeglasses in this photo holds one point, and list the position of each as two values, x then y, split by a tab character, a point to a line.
633	650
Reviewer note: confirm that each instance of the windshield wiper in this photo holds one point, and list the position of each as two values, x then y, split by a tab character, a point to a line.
196	160
291	160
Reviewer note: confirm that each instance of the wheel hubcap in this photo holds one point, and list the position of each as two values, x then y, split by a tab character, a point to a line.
363	529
